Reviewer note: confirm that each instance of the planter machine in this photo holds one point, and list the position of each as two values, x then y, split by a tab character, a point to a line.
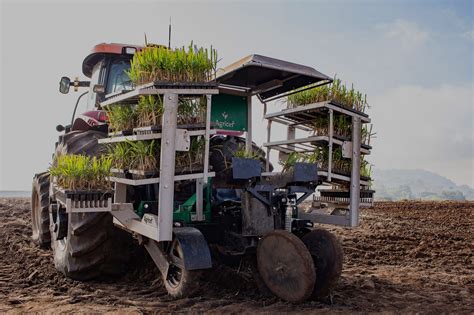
244	210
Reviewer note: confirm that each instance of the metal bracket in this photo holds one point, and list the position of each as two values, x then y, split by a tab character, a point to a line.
255	191
300	189
183	140
158	256
347	149
125	217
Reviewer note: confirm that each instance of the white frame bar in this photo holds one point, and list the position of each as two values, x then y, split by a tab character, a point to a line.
355	172
156	180
151	136
248	140
167	167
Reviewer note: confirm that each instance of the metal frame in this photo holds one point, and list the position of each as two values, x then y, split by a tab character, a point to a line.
355	173
167	167
311	109
306	144
156	180
172	140
301	117
248	139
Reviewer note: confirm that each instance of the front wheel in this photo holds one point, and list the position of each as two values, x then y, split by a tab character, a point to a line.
180	282
39	210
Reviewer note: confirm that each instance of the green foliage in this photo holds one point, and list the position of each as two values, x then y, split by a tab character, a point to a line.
320	156
365	168
367	134
121	117
120	153
342	125
149	110
81	172
293	158
193	159
335	91
192	110
242	153
179	65
144	155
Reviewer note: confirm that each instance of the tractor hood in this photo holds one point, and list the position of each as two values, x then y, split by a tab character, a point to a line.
267	77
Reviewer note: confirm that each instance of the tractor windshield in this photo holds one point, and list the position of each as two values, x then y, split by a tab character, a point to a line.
118	79
92	96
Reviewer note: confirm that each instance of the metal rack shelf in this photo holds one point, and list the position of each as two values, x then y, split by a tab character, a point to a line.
83	200
156	180
339	178
161	88
308	144
324	176
151	136
341	197
175	137
301	117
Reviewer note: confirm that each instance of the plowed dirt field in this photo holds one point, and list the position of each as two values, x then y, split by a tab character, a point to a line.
404	257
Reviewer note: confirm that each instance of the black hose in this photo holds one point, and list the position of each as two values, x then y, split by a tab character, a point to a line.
75	107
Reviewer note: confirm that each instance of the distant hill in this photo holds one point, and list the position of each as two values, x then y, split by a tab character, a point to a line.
14	193
396	184
390	184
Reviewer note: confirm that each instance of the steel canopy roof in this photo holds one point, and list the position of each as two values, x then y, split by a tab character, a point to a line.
268	77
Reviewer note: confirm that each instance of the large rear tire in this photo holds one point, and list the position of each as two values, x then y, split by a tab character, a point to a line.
39	210
86	245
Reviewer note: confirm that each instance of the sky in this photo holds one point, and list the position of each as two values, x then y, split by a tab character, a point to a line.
414	59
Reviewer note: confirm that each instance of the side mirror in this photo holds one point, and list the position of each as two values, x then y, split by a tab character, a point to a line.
64	85
60	128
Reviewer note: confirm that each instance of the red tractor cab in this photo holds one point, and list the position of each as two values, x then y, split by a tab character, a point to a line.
107	67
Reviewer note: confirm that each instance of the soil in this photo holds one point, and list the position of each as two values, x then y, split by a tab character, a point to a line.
404	257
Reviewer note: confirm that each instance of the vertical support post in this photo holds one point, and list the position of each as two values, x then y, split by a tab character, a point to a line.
355	173
120	194
248	141
207	136
290	135
167	167
331	135
269	132
199	199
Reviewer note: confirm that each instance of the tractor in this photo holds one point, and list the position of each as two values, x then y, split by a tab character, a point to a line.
233	209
